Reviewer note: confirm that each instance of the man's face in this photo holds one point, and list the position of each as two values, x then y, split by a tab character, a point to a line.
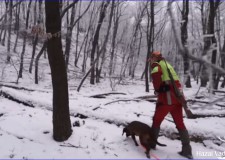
153	59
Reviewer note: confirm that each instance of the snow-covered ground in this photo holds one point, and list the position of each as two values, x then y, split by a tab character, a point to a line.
26	132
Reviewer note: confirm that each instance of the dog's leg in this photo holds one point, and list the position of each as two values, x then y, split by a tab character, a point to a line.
147	152
133	137
125	130
146	145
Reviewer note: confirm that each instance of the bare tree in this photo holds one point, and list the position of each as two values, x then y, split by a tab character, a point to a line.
37	61
86	40
116	18
184	37
24	42
103	48
150	42
4	30
182	49
61	117
9	31
35	40
102	13
209	41
17	27
69	35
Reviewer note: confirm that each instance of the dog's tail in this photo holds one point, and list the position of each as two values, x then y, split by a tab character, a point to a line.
160	144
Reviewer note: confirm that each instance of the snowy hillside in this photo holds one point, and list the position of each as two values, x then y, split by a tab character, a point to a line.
26	132
118	56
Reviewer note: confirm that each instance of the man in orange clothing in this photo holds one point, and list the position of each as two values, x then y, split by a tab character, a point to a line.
167	101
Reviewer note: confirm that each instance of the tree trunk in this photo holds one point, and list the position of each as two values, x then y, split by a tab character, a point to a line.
24	43
5	25
35	42
96	37
77	40
69	36
103	49
61	117
17	27
86	39
150	36
37	61
209	41
9	32
138	54
115	29
184	37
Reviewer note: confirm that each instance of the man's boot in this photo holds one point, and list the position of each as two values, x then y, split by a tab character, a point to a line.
155	132
186	147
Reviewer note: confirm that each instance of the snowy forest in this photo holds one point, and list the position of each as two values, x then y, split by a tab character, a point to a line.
74	73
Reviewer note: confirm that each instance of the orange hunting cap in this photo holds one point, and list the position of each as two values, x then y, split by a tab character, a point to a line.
156	54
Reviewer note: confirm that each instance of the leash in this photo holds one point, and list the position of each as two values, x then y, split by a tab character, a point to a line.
151	154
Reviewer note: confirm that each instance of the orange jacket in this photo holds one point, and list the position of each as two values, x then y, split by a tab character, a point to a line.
164	98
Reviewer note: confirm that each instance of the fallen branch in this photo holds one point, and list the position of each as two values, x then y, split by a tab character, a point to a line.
209	103
106	94
207	116
150	98
69	145
123	100
220	105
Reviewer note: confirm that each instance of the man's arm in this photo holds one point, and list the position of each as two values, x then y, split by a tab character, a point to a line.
156	74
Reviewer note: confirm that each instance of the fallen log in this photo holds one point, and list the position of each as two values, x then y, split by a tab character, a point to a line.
8	96
206	102
218	91
16	87
147	97
21	88
198	101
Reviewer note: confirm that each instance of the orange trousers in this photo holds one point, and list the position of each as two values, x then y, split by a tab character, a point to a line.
176	112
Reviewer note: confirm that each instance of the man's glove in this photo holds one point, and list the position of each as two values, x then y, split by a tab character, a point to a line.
164	88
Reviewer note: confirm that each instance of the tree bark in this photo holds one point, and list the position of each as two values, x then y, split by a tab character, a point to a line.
5	26
69	35
24	43
103	49
184	37
96	37
17	27
35	41
37	61
9	32
209	41
86	40
150	36
61	118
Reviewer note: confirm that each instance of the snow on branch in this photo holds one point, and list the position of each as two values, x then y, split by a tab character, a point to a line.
183	50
